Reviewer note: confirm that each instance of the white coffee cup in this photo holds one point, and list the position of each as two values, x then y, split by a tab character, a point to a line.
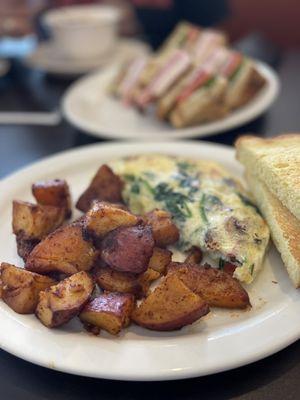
84	31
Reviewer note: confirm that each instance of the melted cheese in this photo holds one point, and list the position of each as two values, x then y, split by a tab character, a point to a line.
209	206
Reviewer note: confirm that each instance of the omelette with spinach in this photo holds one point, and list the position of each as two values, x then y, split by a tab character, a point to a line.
210	207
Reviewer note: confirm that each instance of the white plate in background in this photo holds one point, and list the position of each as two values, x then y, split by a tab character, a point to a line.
87	106
47	57
220	341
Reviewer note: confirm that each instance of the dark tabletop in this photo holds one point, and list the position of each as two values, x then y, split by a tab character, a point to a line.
276	377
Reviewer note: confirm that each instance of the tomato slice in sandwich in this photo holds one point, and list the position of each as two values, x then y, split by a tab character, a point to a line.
198	79
231	65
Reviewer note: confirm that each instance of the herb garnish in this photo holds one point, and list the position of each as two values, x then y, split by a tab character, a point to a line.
202	208
176	203
207	203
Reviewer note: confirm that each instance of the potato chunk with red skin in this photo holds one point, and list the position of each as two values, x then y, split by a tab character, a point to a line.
60	303
165	232
216	287
194	256
20	288
128	249
109	311
170	306
125	282
64	250
104	217
53	192
105	186
160	259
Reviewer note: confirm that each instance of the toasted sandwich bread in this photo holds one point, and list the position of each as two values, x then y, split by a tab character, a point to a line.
203	105
244	85
284	226
276	162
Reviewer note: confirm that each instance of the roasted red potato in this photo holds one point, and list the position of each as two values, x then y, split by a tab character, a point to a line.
64	251
33	221
109	311
104	217
128	249
194	256
170	306
53	192
60	303
105	186
125	282
20	288
160	259
165	232
216	287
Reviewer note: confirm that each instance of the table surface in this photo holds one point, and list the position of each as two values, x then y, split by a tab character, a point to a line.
276	377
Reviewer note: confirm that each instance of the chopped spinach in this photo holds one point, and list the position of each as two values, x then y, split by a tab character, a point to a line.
211	200
129	177
221	263
136	183
175	203
207	203
135	188
251	269
202	208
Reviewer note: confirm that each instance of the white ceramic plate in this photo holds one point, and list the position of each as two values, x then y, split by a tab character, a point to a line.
222	340
49	58
87	106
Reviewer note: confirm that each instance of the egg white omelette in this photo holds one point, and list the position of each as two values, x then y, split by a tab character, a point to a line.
210	207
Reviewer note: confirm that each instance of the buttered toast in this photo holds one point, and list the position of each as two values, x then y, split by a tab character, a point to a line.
276	162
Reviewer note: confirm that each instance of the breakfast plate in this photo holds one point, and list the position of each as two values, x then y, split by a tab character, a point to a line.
49	58
87	106
221	341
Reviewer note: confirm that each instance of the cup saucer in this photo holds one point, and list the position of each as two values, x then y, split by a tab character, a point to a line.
49	58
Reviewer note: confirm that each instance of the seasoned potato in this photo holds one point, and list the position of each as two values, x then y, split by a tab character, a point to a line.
32	221
128	249
54	192
194	257
60	303
105	186
125	282
170	306
160	259
216	287
109	311
64	250
165	232
147	278
103	218
20	288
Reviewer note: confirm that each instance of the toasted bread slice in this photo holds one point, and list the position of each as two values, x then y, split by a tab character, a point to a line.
284	226
204	105
276	162
244	86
